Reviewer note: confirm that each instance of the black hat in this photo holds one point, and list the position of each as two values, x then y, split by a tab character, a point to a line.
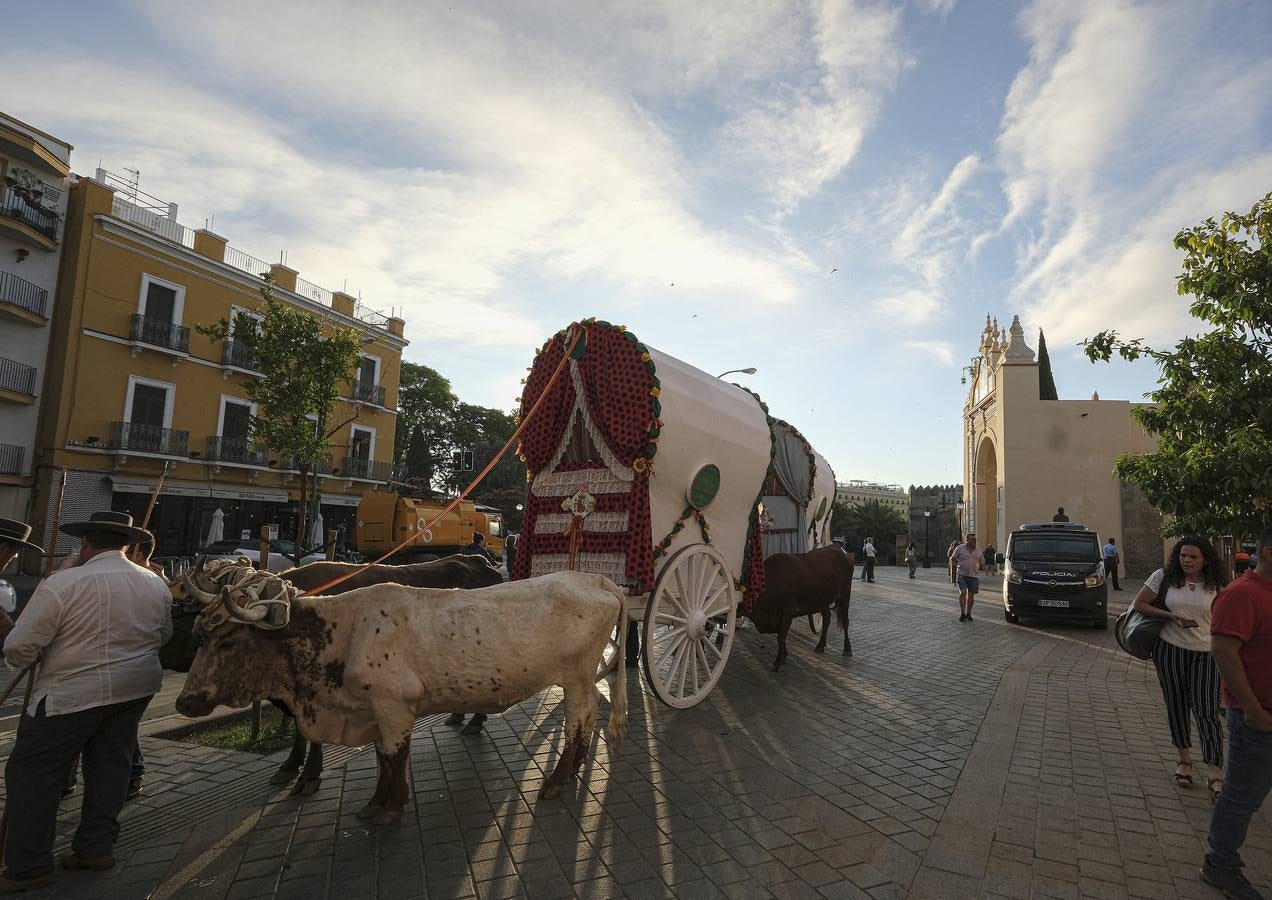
15	532
114	522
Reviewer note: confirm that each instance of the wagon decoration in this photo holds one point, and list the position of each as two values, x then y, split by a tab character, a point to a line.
798	494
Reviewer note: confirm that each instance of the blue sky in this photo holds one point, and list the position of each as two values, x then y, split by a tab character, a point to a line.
495	170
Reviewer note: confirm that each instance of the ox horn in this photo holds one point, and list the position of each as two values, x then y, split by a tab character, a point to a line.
243	615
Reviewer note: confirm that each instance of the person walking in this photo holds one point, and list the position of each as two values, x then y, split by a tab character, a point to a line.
949	556
96	630
867	571
912	557
967	563
1186	670
1111	559
990	567
1241	644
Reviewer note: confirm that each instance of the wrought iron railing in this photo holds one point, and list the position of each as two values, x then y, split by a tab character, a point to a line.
11	456
237	354
368	393
366	469
17	377
246	263
23	294
148	439
324	466
235	450
160	333
15	205
147	213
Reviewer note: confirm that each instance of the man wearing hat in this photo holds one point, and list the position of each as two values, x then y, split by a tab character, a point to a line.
96	631
13	540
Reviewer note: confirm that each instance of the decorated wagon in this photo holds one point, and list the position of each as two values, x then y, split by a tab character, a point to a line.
648	471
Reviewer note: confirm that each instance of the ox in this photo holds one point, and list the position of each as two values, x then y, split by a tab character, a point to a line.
304	764
797	584
361	667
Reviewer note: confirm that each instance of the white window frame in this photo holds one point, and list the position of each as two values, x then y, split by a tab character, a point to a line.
178	304
220	415
370	448
169	401
374	359
236	311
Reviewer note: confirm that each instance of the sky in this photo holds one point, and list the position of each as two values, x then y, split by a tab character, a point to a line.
836	192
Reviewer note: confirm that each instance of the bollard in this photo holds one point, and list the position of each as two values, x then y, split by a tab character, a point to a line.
264	563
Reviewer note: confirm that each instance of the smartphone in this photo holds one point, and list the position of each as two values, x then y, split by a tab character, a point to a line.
1188	623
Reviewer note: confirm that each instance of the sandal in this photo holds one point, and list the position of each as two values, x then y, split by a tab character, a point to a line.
1182	778
1216	787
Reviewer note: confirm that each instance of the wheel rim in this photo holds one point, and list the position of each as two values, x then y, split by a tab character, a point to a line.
689	626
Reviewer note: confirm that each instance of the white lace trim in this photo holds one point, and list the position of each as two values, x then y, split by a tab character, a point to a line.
597	522
612	565
615	478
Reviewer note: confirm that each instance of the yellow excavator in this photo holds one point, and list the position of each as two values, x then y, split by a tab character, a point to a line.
386	519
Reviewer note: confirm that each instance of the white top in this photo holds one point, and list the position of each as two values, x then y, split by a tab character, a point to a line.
1192	603
870	550
98	629
967	560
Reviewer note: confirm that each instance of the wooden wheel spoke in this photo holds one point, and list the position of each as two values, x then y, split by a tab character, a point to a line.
686	650
675	640
702	658
662	618
710	608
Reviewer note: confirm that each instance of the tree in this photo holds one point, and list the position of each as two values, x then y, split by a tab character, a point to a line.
869	519
1211	412
301	365
426	420
1046	380
484	431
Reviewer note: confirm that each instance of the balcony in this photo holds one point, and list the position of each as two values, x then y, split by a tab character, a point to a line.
17	381
24	219
237	355
22	300
364	392
11	456
159	334
357	469
235	450
288	467
126	437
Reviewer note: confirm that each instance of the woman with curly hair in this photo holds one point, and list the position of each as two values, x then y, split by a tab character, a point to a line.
1186	670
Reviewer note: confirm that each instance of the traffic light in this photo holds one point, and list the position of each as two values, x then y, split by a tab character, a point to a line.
457	460
468	460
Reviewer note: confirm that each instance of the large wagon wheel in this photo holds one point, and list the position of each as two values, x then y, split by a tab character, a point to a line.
689	626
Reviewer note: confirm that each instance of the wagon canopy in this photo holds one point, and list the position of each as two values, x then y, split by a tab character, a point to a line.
634	454
797	494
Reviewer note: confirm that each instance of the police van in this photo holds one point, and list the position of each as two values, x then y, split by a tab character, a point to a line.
1054	572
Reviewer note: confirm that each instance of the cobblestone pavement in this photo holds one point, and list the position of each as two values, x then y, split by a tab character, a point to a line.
941	760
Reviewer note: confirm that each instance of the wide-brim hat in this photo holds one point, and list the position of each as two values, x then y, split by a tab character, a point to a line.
114	522
14	532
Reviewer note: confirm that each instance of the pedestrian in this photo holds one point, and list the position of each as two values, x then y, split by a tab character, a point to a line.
912	557
1185	667
13	540
1111	559
96	630
510	552
478	548
867	571
1060	516
1241	642
1245	559
990	567
954	545
967	563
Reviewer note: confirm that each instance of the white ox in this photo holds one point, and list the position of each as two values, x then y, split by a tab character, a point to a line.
360	667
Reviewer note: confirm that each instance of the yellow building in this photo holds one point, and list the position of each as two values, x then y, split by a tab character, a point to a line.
855	493
1024	457
133	390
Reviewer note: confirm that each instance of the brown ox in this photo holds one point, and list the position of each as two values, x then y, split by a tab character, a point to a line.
304	764
797	584
361	667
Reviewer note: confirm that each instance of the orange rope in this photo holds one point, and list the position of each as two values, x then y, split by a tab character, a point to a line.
576	334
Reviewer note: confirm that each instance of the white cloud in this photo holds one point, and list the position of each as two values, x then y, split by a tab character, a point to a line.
942	351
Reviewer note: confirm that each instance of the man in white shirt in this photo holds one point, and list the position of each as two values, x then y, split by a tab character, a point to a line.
1111	559
867	571
96	631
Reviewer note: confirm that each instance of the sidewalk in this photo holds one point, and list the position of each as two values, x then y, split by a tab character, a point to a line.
944	759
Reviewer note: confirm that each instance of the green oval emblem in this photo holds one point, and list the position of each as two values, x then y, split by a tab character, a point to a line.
705	486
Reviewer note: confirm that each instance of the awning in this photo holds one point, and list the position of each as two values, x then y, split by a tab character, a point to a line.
341	499
177	488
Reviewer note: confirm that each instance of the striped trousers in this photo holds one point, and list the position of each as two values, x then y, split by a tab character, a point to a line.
1190	683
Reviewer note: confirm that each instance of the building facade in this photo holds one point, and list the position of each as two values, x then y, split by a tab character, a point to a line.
139	394
855	493
34	175
1024	457
934	522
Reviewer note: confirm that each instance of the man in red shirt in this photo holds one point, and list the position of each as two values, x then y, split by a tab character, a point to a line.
1241	641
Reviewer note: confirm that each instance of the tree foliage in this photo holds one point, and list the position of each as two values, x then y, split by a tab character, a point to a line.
1046	379
1212	470
870	519
301	364
426	415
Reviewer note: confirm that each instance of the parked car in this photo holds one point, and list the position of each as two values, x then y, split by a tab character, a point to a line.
279	553
1056	572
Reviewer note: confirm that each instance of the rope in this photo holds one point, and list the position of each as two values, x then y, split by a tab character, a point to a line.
577	333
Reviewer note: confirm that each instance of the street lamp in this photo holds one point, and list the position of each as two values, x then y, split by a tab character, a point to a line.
749	370
927	553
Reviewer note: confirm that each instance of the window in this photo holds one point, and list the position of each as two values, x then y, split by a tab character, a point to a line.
161	301
148	405
361	444
236	418
368	371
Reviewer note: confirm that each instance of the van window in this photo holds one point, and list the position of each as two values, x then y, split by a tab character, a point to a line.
1054	547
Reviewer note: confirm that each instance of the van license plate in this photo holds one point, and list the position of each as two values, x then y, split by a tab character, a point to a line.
1062	604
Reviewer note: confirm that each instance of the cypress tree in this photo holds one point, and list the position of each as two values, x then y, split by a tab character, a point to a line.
1046	380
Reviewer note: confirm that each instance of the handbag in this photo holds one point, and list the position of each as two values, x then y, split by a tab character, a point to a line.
1137	633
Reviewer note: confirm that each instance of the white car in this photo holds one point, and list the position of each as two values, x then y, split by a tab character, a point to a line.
279	553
